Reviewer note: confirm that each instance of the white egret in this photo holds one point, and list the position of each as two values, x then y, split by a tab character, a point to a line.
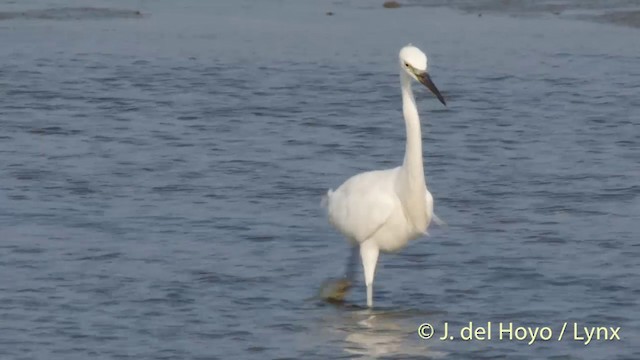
383	210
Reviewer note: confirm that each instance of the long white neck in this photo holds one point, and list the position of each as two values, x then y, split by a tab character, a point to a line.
411	185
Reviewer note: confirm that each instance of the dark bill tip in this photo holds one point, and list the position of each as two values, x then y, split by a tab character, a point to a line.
425	79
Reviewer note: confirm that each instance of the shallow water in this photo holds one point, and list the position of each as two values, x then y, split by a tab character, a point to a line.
161	180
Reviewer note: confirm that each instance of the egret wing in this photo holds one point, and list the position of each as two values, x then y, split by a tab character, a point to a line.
361	206
434	217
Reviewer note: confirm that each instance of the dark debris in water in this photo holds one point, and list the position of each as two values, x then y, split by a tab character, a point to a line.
391	4
70	13
619	12
626	18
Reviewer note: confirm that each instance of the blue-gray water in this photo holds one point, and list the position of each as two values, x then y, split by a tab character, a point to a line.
161	178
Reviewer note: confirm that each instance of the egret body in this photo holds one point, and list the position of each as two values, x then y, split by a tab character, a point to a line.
383	210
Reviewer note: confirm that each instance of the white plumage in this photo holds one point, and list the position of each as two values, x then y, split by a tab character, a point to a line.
383	210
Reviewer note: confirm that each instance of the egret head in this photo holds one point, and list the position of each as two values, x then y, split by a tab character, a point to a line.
414	62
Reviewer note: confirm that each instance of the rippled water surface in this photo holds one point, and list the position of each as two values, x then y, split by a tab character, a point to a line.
161	177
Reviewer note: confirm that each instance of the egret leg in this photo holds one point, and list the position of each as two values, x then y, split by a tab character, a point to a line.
352	262
336	290
369	253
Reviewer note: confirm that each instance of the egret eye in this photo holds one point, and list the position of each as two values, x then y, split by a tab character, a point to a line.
406	64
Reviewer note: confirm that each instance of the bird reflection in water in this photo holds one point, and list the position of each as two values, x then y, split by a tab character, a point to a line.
380	333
